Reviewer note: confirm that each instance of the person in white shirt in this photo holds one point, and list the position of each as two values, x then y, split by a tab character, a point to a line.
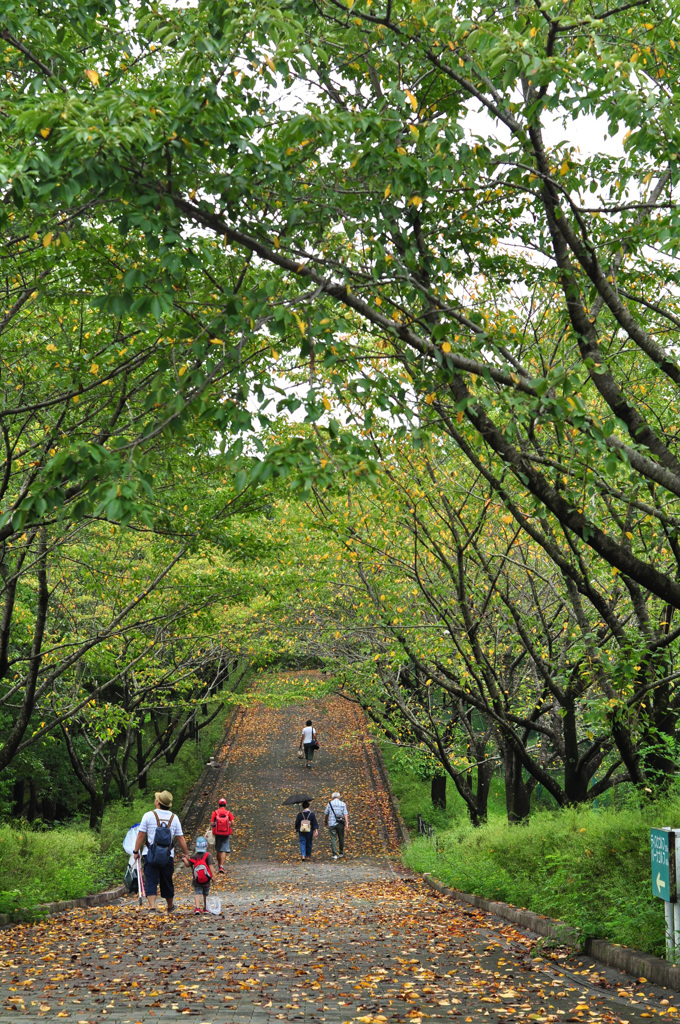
160	873
308	741
336	820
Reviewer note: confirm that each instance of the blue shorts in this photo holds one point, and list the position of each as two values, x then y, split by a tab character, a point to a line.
153	874
222	844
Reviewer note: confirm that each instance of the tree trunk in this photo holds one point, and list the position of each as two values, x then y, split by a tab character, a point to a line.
575	781
16	733
484	777
32	801
48	809
438	791
141	770
18	798
96	808
517	793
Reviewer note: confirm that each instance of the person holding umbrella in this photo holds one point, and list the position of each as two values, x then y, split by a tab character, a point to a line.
307	828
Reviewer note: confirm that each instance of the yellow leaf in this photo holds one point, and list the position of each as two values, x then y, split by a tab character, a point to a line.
93	76
94	369
323	463
387	191
507	519
277	244
271	64
51	347
446	347
414	131
629	535
182	371
48	238
413	101
326	403
564	168
45	132
400	149
216	341
430	398
415	201
533	32
301	324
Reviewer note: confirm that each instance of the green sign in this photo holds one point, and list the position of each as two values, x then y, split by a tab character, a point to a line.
663	863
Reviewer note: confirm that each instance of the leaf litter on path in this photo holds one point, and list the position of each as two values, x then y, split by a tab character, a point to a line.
347	942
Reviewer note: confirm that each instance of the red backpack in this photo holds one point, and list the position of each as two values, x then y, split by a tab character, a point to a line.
222	824
201	872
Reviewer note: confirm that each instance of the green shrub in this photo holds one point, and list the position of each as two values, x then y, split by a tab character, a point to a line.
38	866
588	867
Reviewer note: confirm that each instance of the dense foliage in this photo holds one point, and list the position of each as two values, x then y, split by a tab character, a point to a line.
221	219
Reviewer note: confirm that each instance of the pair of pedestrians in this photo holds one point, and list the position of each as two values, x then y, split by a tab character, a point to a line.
336	820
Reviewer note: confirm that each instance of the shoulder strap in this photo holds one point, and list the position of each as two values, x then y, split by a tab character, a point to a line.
158	820
172	818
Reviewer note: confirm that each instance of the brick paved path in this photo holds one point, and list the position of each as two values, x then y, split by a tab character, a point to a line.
343	942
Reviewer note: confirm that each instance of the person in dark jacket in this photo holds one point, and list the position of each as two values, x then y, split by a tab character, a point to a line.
306	827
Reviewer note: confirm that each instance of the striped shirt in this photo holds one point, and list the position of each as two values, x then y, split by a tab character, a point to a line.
336	811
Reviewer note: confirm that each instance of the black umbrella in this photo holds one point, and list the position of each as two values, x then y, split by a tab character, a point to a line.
297	798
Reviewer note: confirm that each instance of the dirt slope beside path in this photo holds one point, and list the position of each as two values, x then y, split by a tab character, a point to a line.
335	942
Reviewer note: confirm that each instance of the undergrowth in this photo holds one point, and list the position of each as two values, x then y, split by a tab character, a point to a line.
40	864
587	867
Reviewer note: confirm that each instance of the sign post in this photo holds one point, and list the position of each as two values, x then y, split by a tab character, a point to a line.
664	875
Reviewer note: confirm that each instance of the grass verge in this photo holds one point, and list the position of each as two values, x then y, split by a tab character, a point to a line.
588	866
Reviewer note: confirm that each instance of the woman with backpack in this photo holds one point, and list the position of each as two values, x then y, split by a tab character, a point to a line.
222	821
307	828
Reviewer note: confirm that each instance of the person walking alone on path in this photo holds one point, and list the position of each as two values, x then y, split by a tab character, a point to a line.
309	742
222	821
159	829
336	820
307	827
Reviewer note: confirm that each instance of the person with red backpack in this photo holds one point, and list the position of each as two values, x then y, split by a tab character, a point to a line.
222	829
201	870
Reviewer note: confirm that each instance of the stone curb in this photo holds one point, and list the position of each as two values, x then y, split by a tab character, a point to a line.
97	899
195	801
385	779
631	961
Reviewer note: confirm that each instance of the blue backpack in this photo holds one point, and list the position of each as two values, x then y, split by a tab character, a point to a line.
159	851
